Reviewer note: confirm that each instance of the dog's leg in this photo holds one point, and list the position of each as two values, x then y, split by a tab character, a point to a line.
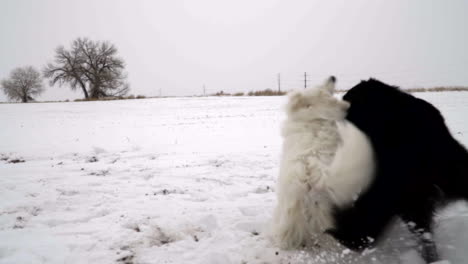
429	250
419	222
426	241
359	226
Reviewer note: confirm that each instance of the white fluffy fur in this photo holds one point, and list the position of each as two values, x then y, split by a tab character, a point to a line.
311	181
353	166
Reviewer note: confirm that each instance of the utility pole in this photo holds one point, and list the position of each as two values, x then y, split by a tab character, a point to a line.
204	90
279	82
160	92
305	80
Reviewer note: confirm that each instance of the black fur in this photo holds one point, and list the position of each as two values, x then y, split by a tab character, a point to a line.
419	166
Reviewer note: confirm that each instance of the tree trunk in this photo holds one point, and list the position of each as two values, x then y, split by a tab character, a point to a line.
96	90
83	87
85	92
24	96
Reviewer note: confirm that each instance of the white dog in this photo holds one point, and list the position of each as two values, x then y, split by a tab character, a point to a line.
311	181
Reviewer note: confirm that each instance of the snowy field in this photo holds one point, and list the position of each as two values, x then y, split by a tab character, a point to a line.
176	180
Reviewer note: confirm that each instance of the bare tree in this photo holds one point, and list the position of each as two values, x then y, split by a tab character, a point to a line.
90	65
67	68
23	84
103	69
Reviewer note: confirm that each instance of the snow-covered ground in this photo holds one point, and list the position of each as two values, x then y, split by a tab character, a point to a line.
176	180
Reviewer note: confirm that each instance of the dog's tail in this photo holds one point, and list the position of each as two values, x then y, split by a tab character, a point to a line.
352	168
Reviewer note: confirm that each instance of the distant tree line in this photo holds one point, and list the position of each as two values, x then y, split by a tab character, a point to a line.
266	92
90	66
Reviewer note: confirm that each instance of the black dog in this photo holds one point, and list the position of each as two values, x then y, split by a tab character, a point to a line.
419	167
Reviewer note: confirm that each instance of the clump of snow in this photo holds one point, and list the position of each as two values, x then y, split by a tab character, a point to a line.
177	180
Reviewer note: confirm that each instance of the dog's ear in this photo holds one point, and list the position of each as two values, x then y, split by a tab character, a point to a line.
329	84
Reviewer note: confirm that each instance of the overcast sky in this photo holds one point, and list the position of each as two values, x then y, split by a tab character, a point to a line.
178	46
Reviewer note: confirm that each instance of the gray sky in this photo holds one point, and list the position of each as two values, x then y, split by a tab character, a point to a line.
240	45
